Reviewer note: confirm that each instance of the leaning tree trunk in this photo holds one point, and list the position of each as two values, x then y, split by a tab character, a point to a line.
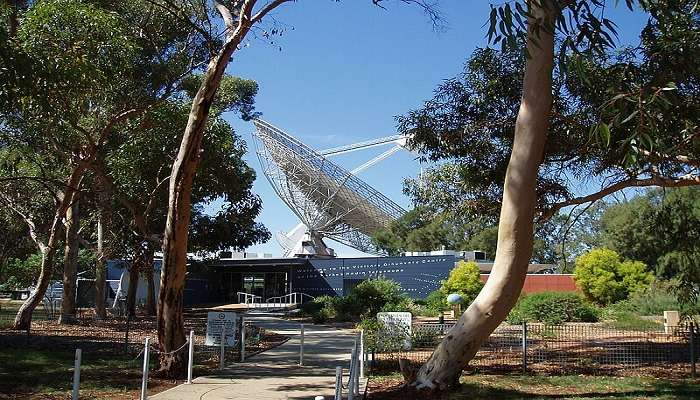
515	229
23	319
70	264
171	328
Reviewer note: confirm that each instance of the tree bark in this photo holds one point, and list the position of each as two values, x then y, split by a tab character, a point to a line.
104	224
100	271
23	319
149	270
515	229
134	274
70	264
171	328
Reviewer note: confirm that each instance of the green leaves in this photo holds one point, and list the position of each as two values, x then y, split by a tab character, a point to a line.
580	25
465	280
604	278
76	46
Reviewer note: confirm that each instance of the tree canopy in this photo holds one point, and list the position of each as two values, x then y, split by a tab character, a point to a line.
620	118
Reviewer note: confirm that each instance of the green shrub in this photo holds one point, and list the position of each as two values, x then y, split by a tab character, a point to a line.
437	301
604	278
424	311
321	309
373	296
465	280
655	299
553	308
364	301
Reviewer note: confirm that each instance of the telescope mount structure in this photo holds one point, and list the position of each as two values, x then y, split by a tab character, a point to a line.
330	201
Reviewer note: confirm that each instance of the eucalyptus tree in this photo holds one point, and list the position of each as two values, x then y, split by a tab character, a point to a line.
81	70
624	120
238	18
136	167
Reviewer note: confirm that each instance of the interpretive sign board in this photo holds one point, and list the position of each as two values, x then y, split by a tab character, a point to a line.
218	322
394	330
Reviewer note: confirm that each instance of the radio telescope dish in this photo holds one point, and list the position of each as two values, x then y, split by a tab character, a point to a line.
330	200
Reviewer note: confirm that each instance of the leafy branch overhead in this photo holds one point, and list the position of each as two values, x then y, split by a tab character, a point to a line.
624	117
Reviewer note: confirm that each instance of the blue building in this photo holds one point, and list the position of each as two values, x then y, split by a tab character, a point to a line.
270	277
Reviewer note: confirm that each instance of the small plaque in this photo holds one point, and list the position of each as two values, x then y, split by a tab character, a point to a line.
218	322
394	330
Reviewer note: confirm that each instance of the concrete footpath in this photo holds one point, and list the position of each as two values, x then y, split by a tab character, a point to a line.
276	374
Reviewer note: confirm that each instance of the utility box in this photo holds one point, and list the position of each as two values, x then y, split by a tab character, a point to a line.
671	321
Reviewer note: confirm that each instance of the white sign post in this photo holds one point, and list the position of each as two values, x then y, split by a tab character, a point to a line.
219	323
76	374
395	327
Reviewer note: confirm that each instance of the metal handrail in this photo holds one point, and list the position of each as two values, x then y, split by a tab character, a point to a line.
295	298
247	296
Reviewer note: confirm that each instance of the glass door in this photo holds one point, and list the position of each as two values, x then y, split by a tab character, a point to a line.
254	284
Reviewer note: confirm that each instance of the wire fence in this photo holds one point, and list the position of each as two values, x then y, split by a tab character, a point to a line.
119	336
561	349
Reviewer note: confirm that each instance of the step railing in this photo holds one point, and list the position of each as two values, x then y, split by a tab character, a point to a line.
249	298
286	300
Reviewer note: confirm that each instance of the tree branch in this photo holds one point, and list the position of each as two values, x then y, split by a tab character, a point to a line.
681	158
27	220
267	8
681	181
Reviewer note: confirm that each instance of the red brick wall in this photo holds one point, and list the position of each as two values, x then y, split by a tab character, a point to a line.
545	283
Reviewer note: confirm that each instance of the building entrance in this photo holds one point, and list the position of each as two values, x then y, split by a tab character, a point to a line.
264	284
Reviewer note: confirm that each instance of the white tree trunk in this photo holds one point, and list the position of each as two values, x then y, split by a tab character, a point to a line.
23	319
515	229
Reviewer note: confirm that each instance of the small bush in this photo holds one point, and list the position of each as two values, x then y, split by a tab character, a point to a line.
364	301
655	299
321	309
373	296
465	280
625	315
553	308
436	301
605	278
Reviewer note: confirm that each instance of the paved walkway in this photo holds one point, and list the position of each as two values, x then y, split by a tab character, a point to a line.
276	374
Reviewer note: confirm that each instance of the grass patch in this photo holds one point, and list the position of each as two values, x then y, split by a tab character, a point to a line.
547	387
632	322
30	372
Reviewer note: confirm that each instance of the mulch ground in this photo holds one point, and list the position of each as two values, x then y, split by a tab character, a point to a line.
115	374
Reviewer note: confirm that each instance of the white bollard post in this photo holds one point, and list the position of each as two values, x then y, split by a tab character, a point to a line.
362	354
338	383
351	374
222	348
356	384
190	358
242	339
355	372
144	379
301	347
76	374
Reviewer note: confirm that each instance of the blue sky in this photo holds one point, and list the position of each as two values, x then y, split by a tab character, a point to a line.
346	69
